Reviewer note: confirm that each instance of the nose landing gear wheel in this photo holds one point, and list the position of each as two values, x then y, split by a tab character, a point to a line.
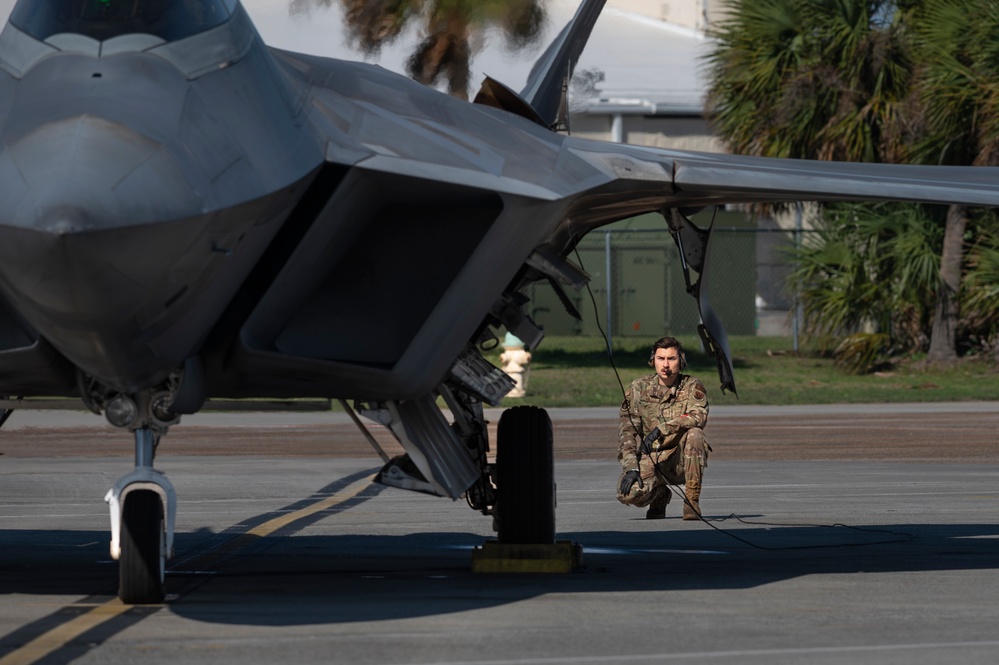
143	549
525	477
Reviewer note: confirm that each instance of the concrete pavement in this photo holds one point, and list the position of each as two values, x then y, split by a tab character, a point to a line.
838	560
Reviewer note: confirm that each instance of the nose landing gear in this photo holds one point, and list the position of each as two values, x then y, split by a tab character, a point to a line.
143	503
143	508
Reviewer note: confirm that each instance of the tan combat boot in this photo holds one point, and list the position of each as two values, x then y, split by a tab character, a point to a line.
691	507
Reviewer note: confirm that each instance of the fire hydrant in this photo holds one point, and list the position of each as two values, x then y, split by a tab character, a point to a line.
516	362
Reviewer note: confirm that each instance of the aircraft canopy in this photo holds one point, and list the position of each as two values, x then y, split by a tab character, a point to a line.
169	20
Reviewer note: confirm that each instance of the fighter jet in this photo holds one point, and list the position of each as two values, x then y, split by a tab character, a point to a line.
187	214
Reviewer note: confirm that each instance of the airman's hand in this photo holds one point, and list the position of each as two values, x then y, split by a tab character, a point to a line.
650	440
629	481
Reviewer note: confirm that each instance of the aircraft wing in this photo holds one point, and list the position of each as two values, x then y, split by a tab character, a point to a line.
733	178
645	179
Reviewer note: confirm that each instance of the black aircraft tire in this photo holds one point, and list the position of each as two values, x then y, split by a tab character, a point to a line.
525	476
141	561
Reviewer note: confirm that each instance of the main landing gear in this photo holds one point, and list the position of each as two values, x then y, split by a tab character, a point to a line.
525	505
525	477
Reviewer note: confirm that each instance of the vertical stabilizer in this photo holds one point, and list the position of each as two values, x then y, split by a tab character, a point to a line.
551	73
543	98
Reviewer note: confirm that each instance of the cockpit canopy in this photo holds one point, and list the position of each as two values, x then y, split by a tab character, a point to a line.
169	20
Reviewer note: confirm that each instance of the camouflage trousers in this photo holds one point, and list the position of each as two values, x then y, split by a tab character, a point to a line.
683	464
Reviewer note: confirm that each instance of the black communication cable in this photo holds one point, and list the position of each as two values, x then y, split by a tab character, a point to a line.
901	536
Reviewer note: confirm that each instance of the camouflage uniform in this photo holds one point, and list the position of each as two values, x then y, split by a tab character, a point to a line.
681	453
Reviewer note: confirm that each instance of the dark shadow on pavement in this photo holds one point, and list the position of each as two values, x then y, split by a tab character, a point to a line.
303	580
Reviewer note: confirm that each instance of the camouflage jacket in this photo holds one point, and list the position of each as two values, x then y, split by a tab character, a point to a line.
649	404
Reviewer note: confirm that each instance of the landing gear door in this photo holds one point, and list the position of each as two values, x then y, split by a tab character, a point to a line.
693	242
715	341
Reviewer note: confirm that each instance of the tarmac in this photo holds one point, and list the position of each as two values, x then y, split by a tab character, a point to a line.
840	534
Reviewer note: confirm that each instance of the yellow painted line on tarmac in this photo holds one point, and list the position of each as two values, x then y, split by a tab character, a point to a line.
348	493
224	551
62	635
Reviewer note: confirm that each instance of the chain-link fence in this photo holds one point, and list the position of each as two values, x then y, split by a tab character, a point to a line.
638	290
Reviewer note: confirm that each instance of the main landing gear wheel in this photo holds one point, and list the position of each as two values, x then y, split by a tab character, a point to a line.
143	549
525	477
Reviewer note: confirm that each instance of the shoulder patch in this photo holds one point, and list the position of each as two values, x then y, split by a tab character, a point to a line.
698	389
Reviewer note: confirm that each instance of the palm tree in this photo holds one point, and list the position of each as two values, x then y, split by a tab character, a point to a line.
823	79
980	291
866	267
956	122
449	27
879	80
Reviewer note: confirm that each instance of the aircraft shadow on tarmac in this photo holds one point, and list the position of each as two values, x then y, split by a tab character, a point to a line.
305	580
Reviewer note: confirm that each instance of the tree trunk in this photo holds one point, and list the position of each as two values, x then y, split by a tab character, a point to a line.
445	52
943	336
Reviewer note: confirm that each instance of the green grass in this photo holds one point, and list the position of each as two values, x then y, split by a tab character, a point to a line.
572	371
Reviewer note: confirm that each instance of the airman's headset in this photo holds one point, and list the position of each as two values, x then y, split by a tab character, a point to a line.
666	343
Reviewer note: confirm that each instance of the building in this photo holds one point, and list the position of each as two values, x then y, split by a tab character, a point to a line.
640	80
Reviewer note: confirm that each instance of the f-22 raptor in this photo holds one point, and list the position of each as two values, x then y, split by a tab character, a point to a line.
187	214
